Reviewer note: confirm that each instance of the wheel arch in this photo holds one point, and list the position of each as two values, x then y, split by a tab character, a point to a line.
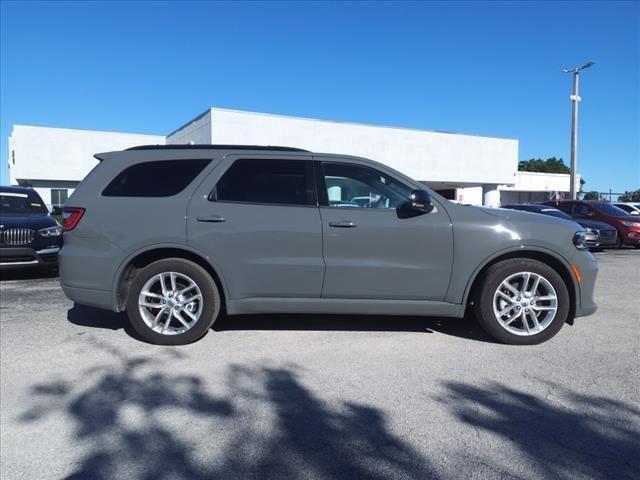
558	263
142	258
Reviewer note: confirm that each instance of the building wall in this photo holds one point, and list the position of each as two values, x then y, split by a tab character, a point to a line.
423	155
61	154
197	131
54	160
541	182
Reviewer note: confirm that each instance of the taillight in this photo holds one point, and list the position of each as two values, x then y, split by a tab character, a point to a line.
70	217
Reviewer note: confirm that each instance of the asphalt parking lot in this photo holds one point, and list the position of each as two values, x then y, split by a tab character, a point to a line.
276	397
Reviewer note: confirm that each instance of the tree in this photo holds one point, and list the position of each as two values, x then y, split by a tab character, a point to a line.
633	196
550	165
592	196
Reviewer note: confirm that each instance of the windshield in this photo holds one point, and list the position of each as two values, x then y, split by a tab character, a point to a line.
609	209
21	203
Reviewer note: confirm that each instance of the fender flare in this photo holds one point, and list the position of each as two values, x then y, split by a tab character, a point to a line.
122	267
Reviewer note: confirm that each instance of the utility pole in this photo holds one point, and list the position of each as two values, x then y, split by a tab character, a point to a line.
575	99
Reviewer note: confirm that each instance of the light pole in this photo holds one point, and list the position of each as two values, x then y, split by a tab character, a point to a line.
575	99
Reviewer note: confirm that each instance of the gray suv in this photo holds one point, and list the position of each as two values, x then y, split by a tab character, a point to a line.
177	234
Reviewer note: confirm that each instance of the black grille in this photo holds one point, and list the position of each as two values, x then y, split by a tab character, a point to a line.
17	236
607	233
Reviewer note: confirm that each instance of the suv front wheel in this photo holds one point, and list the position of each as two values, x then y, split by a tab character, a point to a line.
172	302
522	301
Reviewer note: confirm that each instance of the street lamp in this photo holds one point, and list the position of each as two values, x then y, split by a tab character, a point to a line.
574	124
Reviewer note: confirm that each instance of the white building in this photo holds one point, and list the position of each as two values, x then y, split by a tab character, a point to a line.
469	168
54	160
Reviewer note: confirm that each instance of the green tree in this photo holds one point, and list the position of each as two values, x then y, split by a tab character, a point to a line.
633	196
592	196
550	165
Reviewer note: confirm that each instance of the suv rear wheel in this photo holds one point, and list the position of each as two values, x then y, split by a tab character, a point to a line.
522	302
172	302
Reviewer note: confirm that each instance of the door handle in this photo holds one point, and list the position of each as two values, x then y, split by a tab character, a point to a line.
343	224
211	219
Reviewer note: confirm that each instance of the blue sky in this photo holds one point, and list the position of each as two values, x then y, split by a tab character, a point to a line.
484	68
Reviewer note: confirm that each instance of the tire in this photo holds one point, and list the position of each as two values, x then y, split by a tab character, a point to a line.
187	322
618	244
489	302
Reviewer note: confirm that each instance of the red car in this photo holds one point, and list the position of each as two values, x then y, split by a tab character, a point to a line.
627	225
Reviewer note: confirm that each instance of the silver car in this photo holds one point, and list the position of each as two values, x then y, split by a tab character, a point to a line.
176	235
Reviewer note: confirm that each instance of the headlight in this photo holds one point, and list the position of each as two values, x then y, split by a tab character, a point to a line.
579	240
55	231
631	224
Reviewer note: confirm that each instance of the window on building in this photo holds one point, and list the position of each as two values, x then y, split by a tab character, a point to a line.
350	185
283	182
59	196
163	178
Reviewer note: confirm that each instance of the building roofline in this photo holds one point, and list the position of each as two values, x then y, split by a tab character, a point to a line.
86	130
294	117
195	119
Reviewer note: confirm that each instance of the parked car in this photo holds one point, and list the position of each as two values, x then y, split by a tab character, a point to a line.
630	207
29	236
597	234
627	225
175	235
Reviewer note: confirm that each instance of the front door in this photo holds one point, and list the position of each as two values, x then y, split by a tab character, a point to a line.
369	251
257	219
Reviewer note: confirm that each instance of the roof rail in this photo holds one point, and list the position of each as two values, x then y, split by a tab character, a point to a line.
217	147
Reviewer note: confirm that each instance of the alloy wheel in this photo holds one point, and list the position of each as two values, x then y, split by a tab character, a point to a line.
525	303
170	303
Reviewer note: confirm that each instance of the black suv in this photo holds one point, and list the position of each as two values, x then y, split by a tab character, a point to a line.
29	236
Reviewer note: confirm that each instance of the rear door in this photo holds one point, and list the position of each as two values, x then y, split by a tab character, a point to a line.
257	219
369	251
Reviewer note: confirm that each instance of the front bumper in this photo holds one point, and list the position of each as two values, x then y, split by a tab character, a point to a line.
588	269
631	236
21	257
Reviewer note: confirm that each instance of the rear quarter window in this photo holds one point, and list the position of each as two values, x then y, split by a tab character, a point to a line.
162	178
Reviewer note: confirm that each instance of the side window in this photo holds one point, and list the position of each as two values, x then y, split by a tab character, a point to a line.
350	185
565	207
626	208
581	210
271	181
163	178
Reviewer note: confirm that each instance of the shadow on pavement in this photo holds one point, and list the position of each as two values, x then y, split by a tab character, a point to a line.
458	327
577	435
121	414
466	327
28	273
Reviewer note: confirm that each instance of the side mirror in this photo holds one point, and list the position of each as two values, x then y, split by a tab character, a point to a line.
56	210
418	204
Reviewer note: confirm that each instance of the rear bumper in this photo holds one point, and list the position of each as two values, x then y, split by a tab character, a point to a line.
24	257
89	296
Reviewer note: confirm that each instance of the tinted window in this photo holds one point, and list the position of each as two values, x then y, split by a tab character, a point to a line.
163	178
21	202
626	208
581	210
609	209
350	185
565	207
284	182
